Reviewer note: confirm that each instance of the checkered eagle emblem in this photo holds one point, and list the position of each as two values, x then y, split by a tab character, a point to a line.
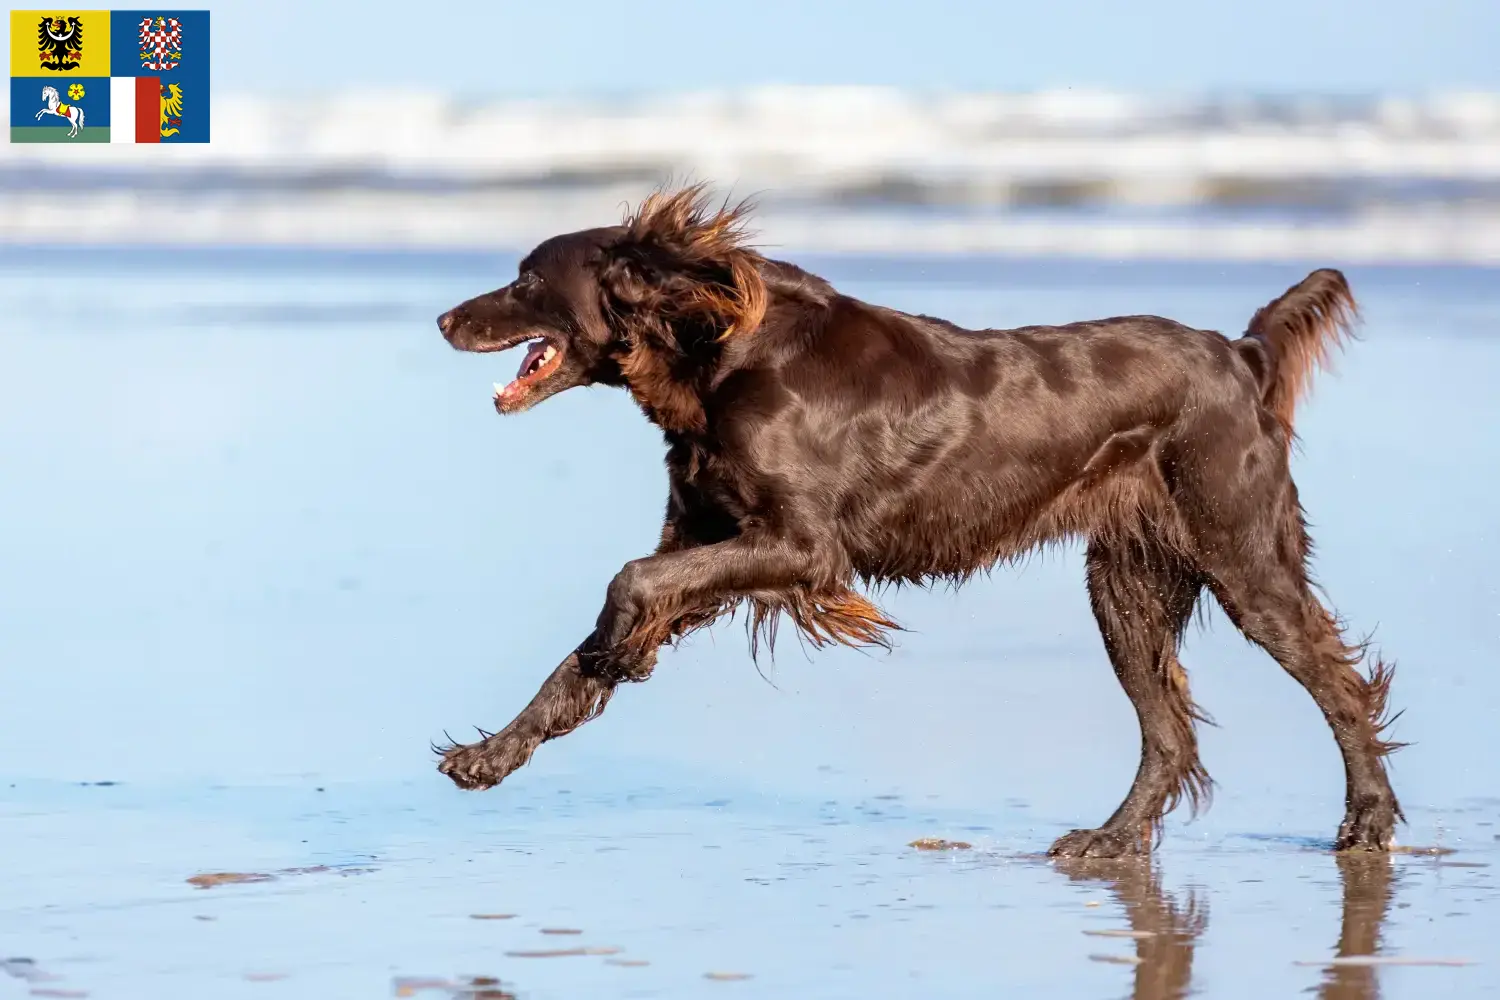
161	43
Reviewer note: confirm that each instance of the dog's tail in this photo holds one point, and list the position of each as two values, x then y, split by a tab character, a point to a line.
1293	336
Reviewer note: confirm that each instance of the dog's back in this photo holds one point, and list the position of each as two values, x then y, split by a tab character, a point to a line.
938	451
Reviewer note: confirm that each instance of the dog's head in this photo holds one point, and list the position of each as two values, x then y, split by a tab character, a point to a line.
647	304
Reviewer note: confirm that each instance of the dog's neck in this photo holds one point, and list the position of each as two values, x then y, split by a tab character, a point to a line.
665	389
668	371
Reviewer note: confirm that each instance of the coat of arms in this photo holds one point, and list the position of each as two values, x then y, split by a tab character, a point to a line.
70	113
171	110
59	42
161	42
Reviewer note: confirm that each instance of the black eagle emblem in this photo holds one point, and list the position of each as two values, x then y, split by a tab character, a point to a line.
59	41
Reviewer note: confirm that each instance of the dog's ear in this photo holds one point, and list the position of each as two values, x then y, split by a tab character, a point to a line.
629	278
689	265
678	280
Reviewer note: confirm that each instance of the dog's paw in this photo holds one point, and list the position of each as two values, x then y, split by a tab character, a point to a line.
487	763
1097	844
1371	829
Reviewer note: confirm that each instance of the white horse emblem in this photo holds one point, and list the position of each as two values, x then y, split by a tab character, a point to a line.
72	112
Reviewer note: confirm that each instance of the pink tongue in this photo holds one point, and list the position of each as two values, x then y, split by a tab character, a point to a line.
537	350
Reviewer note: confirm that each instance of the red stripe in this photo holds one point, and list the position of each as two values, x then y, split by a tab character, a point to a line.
148	109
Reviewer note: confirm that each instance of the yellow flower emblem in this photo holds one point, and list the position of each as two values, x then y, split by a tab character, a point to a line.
75	91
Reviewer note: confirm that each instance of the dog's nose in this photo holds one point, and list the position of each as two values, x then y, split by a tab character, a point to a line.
446	320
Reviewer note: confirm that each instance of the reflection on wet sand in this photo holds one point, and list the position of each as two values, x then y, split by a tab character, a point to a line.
1165	931
468	988
1365	881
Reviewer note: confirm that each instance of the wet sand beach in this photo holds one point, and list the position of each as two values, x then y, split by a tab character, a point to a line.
264	539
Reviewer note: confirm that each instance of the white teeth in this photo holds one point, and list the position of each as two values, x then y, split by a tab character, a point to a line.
499	388
549	354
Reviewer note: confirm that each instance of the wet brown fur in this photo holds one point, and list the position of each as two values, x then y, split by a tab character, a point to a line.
815	442
717	287
1292	337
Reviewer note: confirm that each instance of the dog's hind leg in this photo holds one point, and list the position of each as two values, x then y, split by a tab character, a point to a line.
1143	596
1258	573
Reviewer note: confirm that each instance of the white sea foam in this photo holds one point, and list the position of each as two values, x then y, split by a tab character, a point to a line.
1378	179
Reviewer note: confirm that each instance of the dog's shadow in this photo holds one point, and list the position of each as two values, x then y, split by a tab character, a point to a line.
1165	928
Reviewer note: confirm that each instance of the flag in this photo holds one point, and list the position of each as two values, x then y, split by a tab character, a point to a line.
147	109
132	76
168	65
63	108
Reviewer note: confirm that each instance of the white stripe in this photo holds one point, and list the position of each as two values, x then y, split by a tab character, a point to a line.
121	109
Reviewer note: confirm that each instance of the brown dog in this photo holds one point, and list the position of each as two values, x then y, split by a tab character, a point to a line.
814	440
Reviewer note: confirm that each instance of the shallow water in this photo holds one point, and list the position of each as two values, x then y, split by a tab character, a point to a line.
262	538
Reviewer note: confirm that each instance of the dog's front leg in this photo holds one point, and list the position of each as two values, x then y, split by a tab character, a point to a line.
652	599
649	602
568	698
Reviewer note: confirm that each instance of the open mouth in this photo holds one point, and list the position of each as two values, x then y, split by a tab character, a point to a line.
541	360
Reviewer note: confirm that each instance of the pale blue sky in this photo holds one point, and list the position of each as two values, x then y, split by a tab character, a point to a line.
605	46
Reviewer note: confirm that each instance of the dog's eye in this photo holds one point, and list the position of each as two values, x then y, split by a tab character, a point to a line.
528	281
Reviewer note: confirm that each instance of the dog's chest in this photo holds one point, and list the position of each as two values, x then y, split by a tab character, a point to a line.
710	499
